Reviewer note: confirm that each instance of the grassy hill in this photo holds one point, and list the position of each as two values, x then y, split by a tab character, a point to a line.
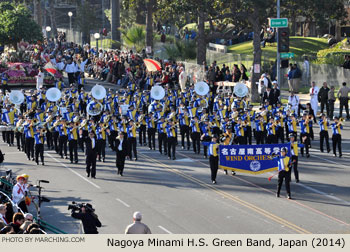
298	45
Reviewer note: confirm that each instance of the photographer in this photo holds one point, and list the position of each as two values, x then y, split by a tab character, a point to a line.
87	216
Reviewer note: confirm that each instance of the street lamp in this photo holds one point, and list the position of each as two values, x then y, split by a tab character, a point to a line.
70	14
48	29
97	37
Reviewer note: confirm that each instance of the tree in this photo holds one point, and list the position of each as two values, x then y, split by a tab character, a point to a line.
86	20
134	37
115	20
149	23
16	24
52	17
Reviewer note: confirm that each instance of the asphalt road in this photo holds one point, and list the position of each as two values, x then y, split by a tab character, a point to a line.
178	197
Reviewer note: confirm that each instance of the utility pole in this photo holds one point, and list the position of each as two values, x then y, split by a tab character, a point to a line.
278	64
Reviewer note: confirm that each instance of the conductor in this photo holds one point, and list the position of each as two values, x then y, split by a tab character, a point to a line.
90	153
121	149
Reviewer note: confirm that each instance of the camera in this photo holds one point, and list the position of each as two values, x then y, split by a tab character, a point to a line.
78	206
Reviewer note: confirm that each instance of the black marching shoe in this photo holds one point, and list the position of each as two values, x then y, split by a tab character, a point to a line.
42	163
289	197
297	181
226	172
214	182
233	173
87	174
277	195
174	158
340	155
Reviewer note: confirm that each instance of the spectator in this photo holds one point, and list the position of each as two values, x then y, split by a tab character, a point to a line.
314	90
17	221
306	70
236	73
276	92
296	77
228	76
244	72
3	214
346	64
137	227
343	95
331	101
269	96
323	97
290	78
7	229
294	103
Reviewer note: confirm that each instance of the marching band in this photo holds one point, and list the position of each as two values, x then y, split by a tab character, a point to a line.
74	119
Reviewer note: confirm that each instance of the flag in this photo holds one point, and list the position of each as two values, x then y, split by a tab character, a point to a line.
50	68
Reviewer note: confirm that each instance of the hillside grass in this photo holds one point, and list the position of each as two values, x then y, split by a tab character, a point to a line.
298	45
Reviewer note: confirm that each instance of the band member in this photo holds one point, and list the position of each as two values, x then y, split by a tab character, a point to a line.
113	127
239	130
271	132
19	133
213	150
73	142
259	130
151	131
162	139
171	130
247	118
227	139
337	126
8	117
121	148
19	192
283	172
39	139
62	138
324	124
49	139
304	135
90	153
29	139
131	130
294	152
142	129
101	141
184	121
195	135
292	125
206	136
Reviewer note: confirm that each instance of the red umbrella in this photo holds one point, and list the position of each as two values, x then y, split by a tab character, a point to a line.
152	65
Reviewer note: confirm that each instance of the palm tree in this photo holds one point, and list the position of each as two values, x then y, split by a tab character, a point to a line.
134	37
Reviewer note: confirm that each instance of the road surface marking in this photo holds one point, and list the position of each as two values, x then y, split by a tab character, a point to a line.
324	194
123	202
165	230
233	198
64	165
293	201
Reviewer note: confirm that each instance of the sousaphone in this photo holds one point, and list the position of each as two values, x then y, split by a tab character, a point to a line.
98	92
16	97
201	88
53	94
240	90
157	92
94	108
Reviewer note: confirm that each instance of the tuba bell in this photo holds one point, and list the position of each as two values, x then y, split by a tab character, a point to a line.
94	108
16	97
157	92
98	92
53	94
240	90
201	88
